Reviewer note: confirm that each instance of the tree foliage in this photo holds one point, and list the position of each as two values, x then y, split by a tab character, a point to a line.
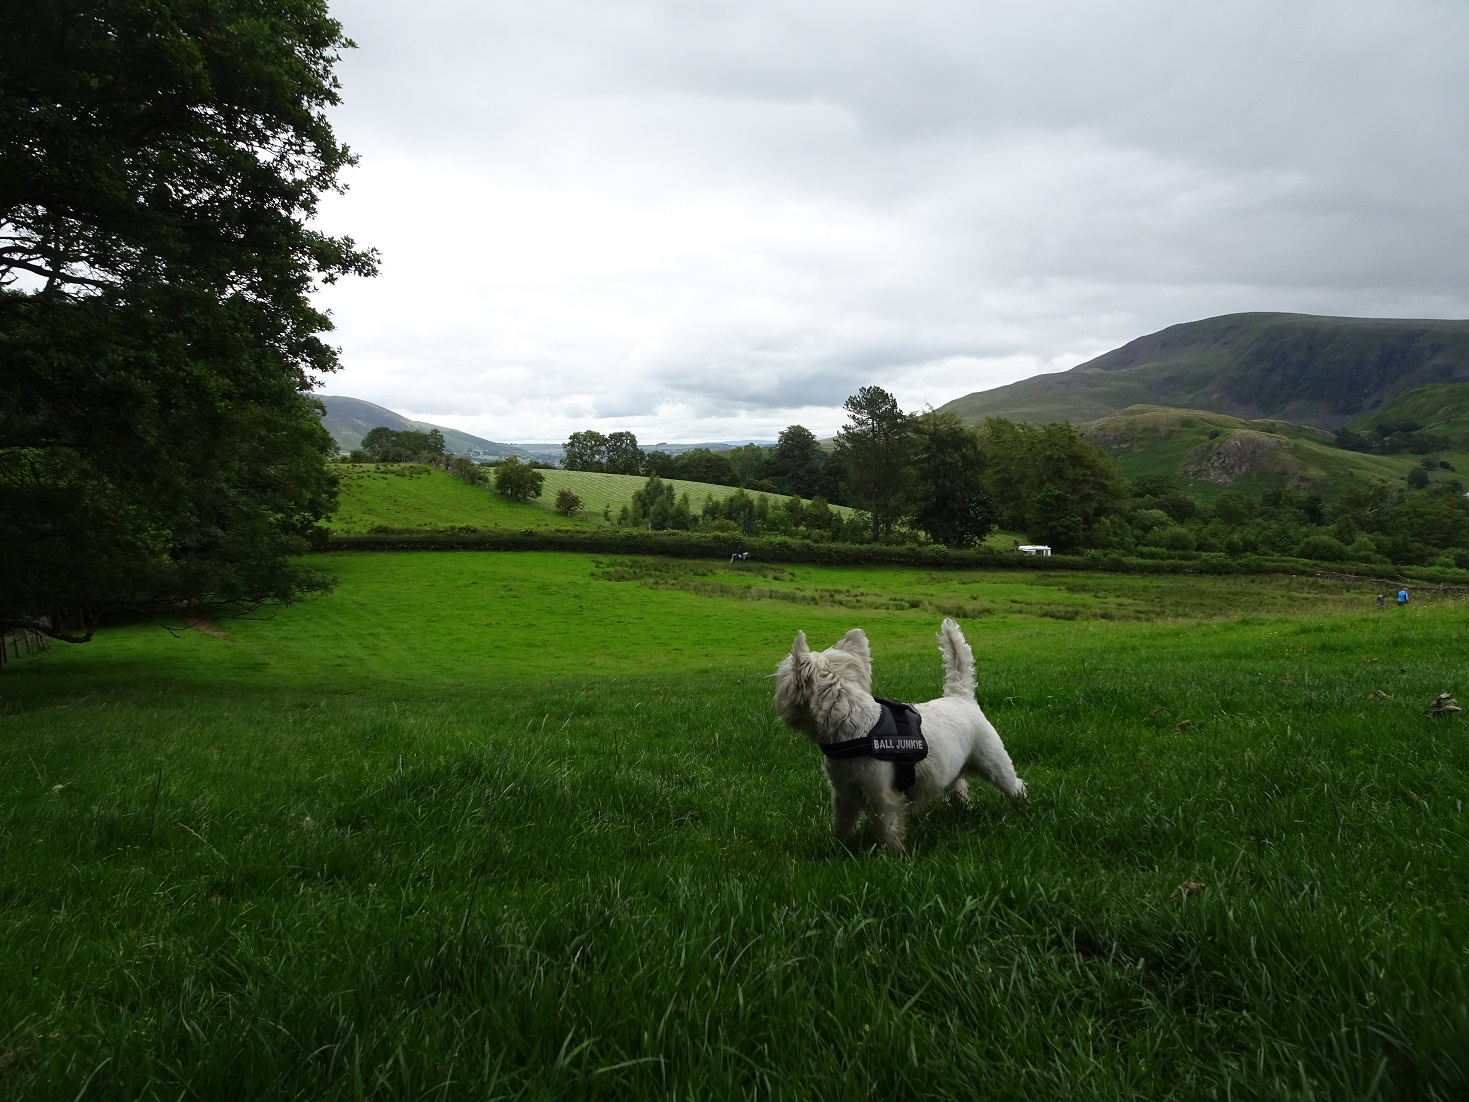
621	454
950	503
798	465
160	164
385	445
1024	460
518	481
617	453
585	451
873	452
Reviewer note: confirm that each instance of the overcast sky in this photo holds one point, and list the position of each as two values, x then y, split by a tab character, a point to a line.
707	221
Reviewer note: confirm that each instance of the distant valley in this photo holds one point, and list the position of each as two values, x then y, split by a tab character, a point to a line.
350	419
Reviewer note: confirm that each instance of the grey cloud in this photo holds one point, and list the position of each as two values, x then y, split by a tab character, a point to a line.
732	212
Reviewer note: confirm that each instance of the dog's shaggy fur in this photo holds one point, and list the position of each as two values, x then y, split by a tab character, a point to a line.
827	696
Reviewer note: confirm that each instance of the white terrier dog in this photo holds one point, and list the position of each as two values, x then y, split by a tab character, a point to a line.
827	696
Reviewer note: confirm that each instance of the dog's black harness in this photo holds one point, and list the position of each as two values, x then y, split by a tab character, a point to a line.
896	737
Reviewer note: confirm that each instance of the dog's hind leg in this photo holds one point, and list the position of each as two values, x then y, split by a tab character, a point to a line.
990	761
959	792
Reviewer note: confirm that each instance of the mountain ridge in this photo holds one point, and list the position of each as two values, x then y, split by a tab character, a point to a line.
1308	369
350	419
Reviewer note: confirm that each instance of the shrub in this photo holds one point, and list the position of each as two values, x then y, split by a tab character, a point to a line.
1362	549
567	503
1323	548
1174	538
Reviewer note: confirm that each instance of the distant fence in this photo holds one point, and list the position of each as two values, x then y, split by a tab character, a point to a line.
21	642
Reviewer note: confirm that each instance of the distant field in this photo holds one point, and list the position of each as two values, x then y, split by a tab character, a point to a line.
613	491
494	825
409	495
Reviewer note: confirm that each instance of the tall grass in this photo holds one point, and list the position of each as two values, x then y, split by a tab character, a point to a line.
492	826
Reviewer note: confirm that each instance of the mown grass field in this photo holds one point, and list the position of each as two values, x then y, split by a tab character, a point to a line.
523	825
613	491
414	496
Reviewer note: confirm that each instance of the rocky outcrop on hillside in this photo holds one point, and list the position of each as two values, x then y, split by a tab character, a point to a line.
1244	453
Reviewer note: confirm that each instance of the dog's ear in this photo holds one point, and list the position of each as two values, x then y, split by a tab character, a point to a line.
855	642
799	649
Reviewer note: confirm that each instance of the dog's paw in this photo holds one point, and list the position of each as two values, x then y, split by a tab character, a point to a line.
1019	793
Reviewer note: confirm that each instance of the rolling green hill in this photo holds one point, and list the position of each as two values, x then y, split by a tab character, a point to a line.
1310	370
1212	452
613	491
412	496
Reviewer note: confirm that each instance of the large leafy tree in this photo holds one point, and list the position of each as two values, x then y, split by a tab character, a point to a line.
873	450
585	451
1023	460
518	481
623	454
703	465
950	504
798	465
160	162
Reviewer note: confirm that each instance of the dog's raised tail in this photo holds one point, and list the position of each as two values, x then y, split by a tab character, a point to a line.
958	661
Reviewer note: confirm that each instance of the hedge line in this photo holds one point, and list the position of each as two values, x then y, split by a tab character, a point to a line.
698	545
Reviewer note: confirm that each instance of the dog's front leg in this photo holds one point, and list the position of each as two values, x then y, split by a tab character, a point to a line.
889	824
844	816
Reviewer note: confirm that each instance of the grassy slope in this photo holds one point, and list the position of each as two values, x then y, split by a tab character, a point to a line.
502	825
615	490
1310	370
1154	440
407	495
1442	408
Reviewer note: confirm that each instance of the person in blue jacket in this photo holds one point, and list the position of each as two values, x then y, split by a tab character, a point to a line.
1402	598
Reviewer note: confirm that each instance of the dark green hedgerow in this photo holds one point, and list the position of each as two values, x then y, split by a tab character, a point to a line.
699	545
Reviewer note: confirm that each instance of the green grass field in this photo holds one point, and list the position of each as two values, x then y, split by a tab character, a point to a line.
410	495
413	496
484	825
613	491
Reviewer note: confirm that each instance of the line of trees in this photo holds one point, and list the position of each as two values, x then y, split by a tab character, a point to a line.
930	476
1378	524
903	474
1393	437
385	445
